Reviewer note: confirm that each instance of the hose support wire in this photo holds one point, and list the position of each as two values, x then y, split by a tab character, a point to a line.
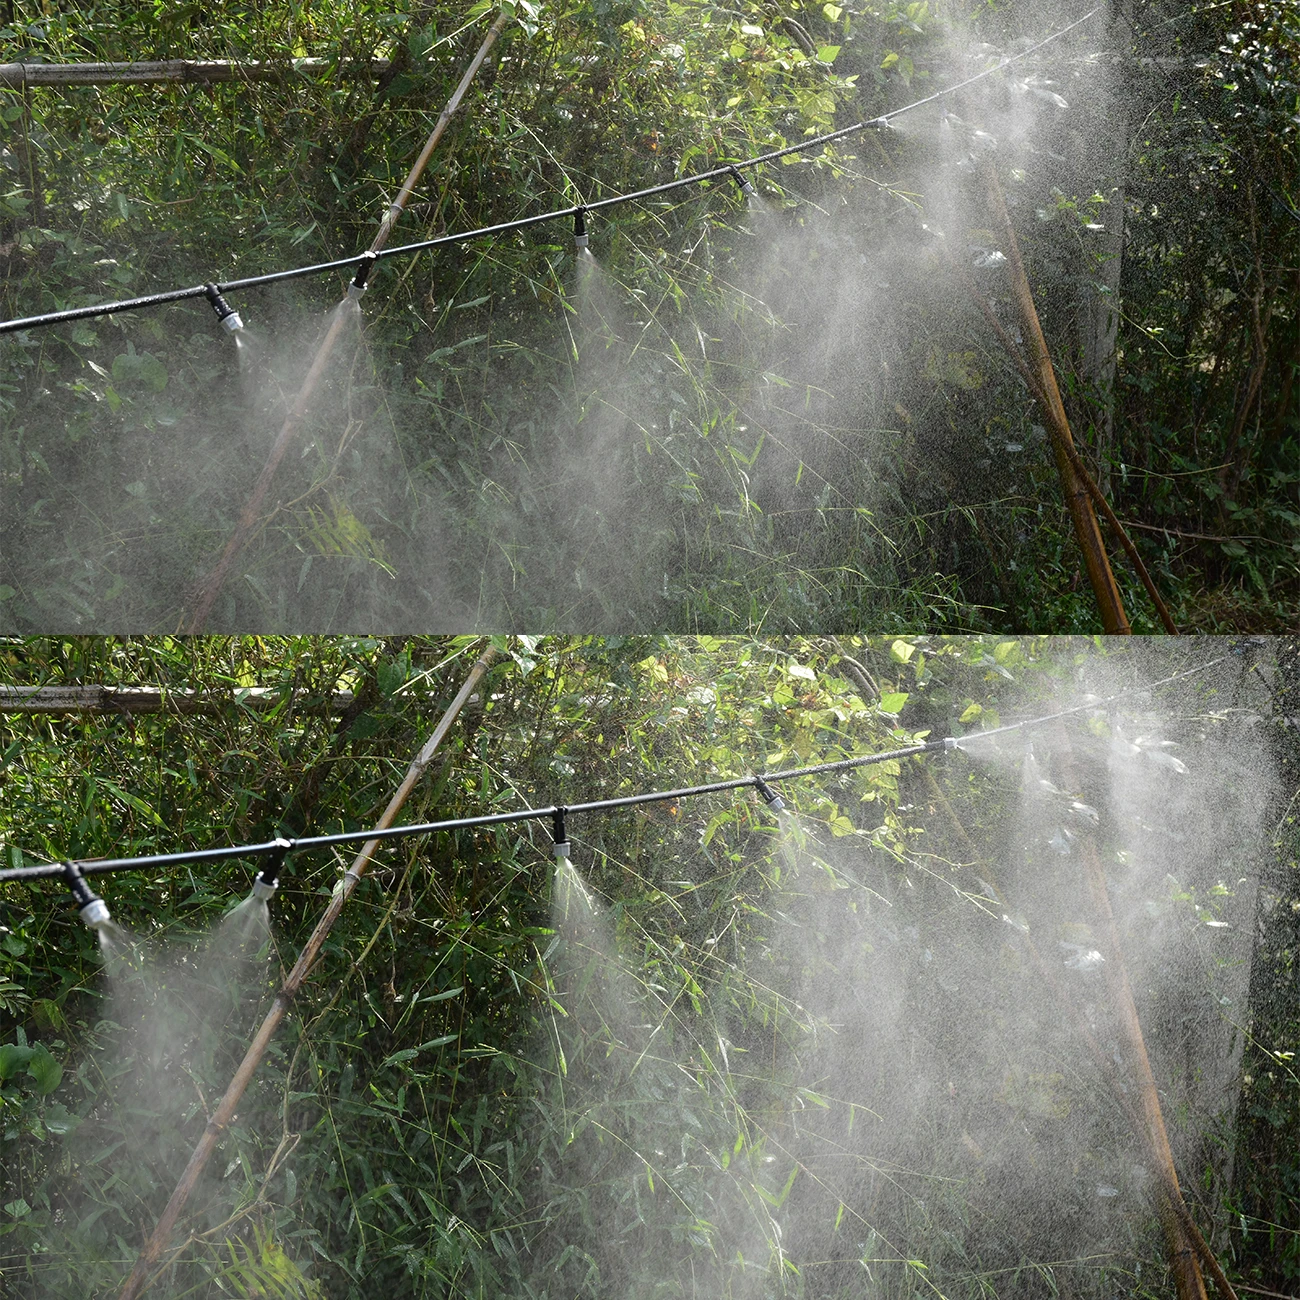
758	781
522	223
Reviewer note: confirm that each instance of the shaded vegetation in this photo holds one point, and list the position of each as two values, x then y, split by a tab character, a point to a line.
767	1062
788	418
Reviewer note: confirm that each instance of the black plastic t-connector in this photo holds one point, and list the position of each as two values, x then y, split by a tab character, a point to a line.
267	880
93	909
774	800
746	186
559	834
226	314
364	267
580	238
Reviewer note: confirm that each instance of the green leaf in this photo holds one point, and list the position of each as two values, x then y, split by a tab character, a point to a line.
45	1071
827	53
902	651
893	702
140	368
12	1059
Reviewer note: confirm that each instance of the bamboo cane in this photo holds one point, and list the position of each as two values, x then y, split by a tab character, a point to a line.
17	76
1086	528
151	699
1063	443
252	510
1164	1171
139	1279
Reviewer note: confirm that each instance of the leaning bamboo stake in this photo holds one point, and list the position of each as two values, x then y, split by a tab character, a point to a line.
1086	528
1063	443
1182	1250
225	1112
253	509
1164	1172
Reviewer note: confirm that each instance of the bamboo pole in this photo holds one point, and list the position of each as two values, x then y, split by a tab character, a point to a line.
1171	1202
151	699
1077	501
139	1279
1063	443
18	76
252	510
1182	1251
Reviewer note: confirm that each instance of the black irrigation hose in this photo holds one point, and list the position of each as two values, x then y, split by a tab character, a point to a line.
276	850
523	223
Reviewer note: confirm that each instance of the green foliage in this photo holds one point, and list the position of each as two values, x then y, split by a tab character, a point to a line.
722	450
491	1086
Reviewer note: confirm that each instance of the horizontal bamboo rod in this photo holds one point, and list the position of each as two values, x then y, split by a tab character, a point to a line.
18	76
149	699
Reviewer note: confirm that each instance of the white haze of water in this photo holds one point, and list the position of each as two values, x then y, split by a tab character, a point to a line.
939	1105
185	1012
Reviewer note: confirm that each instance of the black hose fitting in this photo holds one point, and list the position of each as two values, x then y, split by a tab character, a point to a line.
774	800
580	239
93	909
560	835
364	267
226	314
267	880
746	186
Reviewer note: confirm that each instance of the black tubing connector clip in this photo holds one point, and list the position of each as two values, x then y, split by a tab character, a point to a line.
773	800
267	880
93	909
746	185
364	267
560	835
580	237
226	314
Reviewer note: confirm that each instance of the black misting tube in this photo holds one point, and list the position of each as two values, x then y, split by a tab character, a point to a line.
276	849
367	259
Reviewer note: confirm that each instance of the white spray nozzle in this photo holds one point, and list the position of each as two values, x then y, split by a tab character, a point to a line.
265	889
234	322
950	742
562	851
95	913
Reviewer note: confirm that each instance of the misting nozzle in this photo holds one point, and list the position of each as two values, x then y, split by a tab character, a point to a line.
364	267
774	800
880	124
267	880
580	239
93	909
950	742
746	186
226	314
560	836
